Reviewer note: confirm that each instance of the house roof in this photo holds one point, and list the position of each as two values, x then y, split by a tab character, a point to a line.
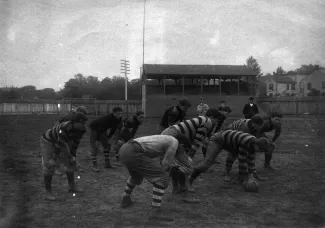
318	73
194	70
278	79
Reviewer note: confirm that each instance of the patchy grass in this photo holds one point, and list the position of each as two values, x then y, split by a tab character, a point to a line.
292	197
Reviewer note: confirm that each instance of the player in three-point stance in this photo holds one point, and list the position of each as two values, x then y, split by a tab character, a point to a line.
55	145
242	145
251	126
77	115
273	122
138	155
98	135
193	131
127	130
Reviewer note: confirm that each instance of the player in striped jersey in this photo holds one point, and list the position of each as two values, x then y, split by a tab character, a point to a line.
251	126
193	131
139	155
78	115
242	145
55	144
273	122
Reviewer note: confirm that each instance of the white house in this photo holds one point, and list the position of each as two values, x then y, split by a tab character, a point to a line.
277	85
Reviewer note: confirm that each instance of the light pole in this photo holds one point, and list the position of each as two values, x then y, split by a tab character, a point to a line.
125	69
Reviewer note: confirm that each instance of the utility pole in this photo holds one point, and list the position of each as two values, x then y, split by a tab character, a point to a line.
125	69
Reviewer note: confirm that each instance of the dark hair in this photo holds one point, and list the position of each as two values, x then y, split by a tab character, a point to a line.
275	114
139	113
212	112
117	109
222	102
251	98
257	119
227	109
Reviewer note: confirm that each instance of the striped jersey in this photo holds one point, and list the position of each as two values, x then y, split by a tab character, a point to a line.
62	133
243	125
195	129
233	141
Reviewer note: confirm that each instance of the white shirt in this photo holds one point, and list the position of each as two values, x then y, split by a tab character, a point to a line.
158	145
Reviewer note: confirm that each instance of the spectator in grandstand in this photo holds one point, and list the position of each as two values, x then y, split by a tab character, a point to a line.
250	109
175	114
79	114
98	135
273	122
56	145
202	108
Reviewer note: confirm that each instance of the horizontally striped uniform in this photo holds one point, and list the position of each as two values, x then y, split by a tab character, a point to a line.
195	130
58	140
236	142
243	125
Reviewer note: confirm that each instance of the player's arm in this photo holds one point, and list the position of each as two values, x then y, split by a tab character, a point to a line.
62	142
171	116
277	132
170	153
200	135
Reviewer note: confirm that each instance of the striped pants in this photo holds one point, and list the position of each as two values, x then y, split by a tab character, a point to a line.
246	161
47	152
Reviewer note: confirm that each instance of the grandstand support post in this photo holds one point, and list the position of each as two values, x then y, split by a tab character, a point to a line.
238	85
201	80
164	84
219	84
183	85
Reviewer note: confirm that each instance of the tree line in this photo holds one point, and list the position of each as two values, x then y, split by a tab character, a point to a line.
78	87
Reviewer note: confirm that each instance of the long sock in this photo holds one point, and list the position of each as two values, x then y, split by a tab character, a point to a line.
204	151
47	182
128	188
182	180
106	155
158	192
174	175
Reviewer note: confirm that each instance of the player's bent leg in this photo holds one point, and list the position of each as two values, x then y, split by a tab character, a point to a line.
133	180
229	163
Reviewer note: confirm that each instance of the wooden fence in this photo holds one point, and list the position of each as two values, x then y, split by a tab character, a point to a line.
95	107
294	105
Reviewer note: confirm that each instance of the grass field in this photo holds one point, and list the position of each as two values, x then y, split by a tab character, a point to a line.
294	195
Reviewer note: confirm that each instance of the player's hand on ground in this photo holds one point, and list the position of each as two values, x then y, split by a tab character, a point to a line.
52	162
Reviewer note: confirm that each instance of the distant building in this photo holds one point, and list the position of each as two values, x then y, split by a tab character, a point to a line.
277	85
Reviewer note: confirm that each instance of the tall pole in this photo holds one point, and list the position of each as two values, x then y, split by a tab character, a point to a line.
125	69
143	81
144	28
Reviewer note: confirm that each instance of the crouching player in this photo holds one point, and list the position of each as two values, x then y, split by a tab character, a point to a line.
127	129
251	126
139	155
194	131
273	122
79	115
98	135
55	146
242	145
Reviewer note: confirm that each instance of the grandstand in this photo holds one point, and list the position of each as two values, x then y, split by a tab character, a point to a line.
162	85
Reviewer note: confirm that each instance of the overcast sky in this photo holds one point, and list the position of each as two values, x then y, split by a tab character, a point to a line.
46	42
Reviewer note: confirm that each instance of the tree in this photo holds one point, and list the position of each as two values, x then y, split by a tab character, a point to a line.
253	64
280	71
47	93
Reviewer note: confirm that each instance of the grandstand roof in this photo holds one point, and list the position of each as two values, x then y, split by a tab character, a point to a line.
159	70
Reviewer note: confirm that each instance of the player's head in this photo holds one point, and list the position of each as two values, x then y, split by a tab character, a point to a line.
117	112
201	100
261	144
225	111
214	115
222	103
184	104
257	122
276	118
82	109
140	116
251	100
